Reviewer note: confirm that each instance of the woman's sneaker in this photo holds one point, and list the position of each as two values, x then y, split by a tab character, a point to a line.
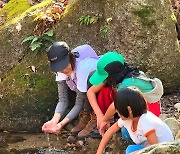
90	128
83	120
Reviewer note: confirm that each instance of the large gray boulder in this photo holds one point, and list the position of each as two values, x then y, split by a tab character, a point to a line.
143	31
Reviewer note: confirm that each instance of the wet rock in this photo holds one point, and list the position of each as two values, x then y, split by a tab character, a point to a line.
24	151
13	139
173	124
70	146
80	143
71	139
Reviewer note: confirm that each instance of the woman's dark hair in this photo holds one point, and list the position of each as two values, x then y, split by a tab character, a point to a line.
132	97
72	60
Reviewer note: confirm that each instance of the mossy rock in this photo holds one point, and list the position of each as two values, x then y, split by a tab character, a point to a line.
12	51
14	8
29	97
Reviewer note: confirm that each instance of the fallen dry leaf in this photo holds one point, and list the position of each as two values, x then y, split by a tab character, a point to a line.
18	27
33	68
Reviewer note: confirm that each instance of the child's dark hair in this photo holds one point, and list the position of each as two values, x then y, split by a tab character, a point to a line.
132	97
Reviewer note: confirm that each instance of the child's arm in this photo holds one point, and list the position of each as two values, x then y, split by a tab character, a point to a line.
109	113
151	137
91	94
107	136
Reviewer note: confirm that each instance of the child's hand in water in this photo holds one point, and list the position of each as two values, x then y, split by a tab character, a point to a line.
104	126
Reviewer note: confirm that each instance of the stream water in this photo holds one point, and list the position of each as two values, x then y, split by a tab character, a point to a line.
17	143
40	143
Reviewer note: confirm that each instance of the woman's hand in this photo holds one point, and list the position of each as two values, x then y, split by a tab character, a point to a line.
52	127
49	126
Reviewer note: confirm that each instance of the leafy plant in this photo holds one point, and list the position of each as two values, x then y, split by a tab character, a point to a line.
104	28
87	20
42	43
84	20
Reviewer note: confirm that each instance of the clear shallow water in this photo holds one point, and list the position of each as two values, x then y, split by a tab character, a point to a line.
23	143
52	151
39	151
40	143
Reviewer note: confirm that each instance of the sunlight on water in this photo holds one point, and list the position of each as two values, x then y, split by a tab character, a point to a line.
48	139
52	148
51	151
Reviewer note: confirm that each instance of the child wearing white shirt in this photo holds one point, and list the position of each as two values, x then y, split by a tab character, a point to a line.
143	127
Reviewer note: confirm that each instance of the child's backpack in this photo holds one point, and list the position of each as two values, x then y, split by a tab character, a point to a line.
156	93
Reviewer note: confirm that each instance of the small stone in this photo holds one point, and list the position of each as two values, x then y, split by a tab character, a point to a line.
71	139
177	106
70	25
79	143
